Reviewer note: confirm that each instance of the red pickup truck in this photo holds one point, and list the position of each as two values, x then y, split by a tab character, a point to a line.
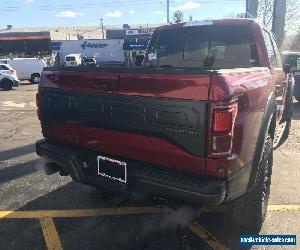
197	123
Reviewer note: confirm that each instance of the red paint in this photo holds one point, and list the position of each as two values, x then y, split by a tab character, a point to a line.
153	85
169	86
253	86
131	146
252	90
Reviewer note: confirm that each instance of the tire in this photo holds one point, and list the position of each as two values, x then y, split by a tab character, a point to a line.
249	210
35	78
6	84
297	98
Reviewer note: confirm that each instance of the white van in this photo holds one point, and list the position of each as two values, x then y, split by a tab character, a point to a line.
28	68
73	60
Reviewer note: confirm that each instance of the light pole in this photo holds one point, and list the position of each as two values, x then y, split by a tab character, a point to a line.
102	28
251	8
168	11
278	22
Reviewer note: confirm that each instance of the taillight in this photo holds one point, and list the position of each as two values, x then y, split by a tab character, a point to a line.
13	71
221	129
222	121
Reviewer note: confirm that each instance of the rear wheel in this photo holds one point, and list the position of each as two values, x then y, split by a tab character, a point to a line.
6	84
249	210
35	78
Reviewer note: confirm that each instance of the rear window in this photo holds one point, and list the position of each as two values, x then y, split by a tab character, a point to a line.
209	47
70	58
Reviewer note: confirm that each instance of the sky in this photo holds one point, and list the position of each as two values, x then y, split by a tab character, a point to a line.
28	13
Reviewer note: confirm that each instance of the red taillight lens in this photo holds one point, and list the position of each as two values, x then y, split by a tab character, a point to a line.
222	126
222	121
13	71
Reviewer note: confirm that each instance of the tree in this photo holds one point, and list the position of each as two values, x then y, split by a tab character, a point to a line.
178	16
292	15
190	18
265	14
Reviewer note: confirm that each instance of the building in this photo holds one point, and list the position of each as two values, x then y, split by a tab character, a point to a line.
24	43
103	50
33	41
135	40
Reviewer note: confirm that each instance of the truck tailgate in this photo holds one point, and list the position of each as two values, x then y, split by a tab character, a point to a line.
157	118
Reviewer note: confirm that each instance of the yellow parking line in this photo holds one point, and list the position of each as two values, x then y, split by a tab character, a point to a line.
117	211
282	208
80	212
32	104
50	234
271	208
206	236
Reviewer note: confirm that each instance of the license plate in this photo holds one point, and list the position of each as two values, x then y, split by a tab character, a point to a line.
112	169
297	73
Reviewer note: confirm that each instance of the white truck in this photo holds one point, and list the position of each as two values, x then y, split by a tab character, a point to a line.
73	60
27	68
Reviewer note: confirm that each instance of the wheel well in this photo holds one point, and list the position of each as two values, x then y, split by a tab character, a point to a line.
272	127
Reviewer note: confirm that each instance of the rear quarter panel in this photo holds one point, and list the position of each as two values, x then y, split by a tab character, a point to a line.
252	89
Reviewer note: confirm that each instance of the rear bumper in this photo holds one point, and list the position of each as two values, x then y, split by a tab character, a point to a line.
144	180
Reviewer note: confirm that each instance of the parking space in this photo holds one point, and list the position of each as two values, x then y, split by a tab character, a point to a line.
53	212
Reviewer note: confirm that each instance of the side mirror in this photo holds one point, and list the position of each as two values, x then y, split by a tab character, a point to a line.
287	68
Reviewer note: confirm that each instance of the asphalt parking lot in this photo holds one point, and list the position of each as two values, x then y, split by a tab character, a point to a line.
53	212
